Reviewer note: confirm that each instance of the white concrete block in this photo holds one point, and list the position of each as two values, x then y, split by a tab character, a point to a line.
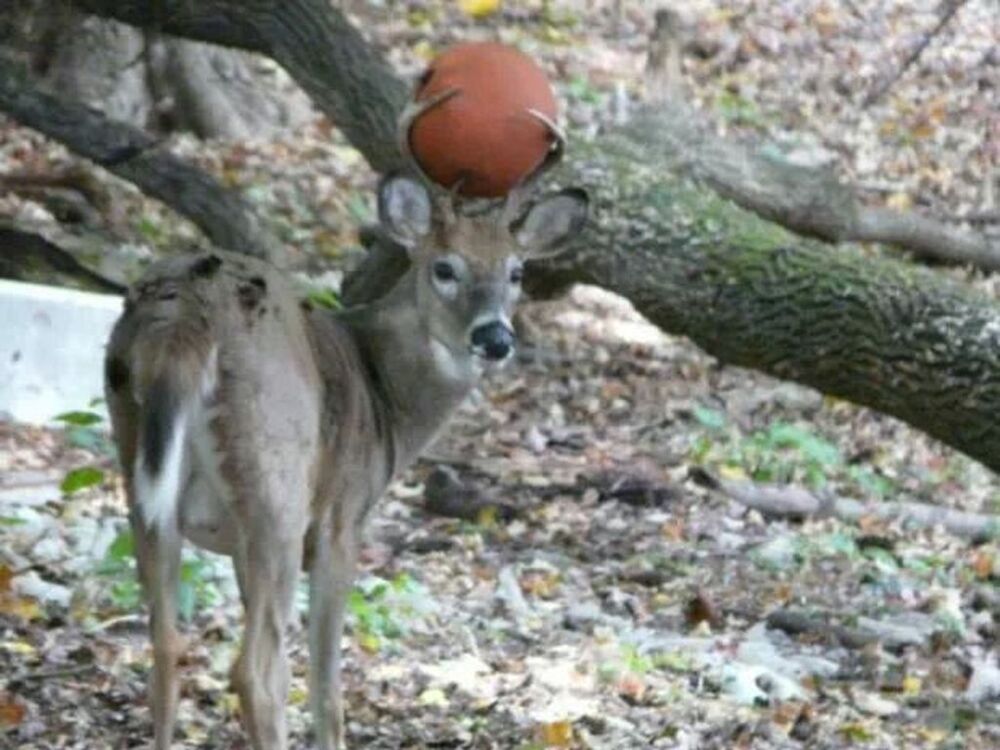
51	349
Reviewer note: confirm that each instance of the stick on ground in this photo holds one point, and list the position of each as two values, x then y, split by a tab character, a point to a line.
789	501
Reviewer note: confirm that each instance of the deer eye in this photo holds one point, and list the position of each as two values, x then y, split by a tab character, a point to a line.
516	274
444	271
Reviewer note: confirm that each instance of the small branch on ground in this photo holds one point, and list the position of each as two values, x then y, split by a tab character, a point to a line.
946	11
446	495
794	622
789	501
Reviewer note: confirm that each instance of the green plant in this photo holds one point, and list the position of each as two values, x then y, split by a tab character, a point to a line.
84	430
324	297
782	453
739	111
80	479
383	610
582	90
195	587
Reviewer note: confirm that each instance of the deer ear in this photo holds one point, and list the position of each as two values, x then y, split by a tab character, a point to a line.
552	221
404	209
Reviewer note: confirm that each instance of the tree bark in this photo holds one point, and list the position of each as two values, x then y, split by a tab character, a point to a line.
876	332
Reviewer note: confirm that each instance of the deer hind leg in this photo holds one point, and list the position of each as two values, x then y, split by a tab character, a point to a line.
330	577
158	551
268	571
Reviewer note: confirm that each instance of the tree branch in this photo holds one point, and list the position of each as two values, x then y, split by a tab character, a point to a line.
946	11
135	156
798	502
25	254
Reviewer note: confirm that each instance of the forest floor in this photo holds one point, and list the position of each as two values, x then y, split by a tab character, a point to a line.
598	595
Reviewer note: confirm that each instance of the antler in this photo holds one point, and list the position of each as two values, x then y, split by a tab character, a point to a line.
413	110
519	194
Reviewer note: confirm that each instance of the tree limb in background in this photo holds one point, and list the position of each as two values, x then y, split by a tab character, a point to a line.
809	200
797	502
946	11
26	255
133	155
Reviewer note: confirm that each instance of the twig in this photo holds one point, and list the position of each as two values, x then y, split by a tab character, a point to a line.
788	501
446	495
976	217
49	674
799	623
113	622
947	11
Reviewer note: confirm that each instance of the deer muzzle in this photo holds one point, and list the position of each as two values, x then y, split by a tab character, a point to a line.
493	341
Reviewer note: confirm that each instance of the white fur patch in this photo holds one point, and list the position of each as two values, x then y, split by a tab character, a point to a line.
454	368
157	497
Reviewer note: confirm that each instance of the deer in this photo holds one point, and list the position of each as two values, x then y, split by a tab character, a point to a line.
262	428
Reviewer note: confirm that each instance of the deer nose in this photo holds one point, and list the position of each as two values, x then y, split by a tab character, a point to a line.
493	341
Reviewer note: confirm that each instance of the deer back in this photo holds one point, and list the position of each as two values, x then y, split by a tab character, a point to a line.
214	347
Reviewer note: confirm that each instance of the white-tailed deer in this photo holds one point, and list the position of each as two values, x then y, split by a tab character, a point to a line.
262	429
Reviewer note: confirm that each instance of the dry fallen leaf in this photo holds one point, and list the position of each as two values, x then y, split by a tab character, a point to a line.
982	563
11	604
541	583
479	8
631	687
11	712
556	733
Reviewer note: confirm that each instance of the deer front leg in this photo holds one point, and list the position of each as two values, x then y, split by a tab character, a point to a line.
269	565
158	552
330	578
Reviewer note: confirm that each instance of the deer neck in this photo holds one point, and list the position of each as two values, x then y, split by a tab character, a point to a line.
415	378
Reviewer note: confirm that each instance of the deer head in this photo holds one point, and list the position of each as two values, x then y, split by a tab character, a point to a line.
467	264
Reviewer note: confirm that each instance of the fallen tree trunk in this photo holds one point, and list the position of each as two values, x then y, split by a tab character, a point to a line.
876	332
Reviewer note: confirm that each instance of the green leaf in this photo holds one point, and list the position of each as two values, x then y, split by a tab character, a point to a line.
11	521
80	418
325	298
80	479
122	548
710	418
126	594
358	207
